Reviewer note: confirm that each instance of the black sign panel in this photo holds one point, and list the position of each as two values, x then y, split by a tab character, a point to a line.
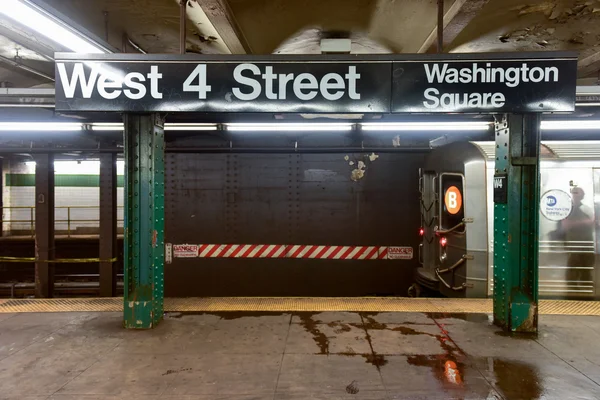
470	83
484	86
500	189
317	87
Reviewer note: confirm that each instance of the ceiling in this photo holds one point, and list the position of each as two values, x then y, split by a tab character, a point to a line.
297	27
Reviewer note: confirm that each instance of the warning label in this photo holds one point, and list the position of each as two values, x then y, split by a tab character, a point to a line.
400	253
185	250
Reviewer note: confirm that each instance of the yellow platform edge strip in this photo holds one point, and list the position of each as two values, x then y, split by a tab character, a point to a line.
295	304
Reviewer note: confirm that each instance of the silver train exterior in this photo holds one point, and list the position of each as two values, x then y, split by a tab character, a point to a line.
457	257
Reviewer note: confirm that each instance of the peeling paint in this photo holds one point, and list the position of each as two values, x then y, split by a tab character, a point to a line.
347	157
396	141
351	163
357	174
373	157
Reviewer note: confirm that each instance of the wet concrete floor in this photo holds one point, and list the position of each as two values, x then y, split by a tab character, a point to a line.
296	356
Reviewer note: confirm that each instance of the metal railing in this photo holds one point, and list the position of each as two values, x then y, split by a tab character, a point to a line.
71	223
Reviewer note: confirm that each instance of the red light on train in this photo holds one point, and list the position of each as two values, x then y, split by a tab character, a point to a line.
421	232
443	241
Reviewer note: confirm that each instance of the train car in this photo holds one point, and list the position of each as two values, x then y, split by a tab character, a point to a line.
457	224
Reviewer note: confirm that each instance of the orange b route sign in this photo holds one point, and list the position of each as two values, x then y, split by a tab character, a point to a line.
453	200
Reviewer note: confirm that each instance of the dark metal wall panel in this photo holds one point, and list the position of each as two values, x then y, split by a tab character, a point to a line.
291	199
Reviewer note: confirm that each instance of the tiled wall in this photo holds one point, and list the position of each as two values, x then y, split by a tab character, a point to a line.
82	199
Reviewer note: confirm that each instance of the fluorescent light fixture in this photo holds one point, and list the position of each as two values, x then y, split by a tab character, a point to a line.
107	126
189	127
118	126
570	125
425	126
44	23
289	127
39	126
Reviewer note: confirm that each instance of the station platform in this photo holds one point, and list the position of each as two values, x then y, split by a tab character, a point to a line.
294	354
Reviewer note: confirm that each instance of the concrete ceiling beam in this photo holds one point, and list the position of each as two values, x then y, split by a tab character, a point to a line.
26	40
458	16
223	20
590	65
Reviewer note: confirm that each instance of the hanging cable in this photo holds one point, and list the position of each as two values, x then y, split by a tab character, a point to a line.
455	288
453	266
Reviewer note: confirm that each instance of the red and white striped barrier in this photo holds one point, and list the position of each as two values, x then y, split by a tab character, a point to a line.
289	251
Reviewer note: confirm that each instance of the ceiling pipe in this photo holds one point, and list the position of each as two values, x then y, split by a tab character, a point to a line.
440	26
182	31
135	46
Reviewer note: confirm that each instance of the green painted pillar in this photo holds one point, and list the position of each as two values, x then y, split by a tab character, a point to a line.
144	220
516	222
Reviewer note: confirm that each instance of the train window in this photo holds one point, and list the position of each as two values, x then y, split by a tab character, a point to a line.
452	210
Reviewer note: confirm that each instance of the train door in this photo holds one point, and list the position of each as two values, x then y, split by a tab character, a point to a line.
568	233
450	238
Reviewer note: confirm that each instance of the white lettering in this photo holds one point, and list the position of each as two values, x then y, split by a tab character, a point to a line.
430	94
239	78
458	101
536	71
452	200
553	71
352	77
269	77
78	77
106	83
435	73
139	87
154	76
311	84
201	88
498	100
283	81
327	85
510	76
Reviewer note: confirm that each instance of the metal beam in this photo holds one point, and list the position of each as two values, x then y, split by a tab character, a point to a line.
24	67
108	224
222	18
19	38
589	65
144	220
44	225
516	222
458	16
2	196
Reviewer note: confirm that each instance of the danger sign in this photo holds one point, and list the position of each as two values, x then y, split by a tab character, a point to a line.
453	200
185	250
400	253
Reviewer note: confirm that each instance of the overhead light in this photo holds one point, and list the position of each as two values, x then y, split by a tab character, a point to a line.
289	127
118	126
425	126
570	125
107	126
189	127
48	25
39	126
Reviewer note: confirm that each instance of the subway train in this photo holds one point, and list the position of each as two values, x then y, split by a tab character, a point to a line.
457	224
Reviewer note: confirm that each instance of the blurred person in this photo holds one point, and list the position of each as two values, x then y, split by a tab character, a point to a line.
579	227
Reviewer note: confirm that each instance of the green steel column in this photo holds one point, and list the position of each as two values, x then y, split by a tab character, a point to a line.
516	223
144	220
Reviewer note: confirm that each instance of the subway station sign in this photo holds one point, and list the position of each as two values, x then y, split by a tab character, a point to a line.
447	83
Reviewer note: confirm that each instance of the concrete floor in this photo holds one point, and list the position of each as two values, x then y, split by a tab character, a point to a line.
243	356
